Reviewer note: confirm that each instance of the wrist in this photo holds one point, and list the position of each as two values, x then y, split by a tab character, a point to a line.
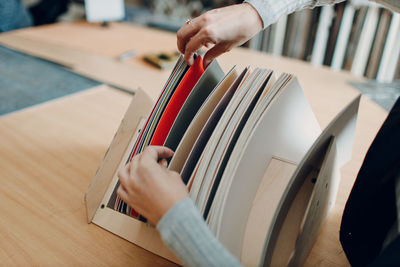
252	12
170	210
167	205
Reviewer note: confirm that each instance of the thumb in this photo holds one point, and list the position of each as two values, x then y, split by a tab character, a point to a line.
157	152
214	52
163	163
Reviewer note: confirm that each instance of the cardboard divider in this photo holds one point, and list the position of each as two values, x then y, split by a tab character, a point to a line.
268	195
139	107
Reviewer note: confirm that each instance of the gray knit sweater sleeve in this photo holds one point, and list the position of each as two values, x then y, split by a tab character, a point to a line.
271	10
184	231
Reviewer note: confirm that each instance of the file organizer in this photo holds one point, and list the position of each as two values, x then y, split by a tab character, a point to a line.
253	156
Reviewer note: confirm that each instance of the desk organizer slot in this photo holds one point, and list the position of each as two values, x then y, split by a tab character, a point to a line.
258	167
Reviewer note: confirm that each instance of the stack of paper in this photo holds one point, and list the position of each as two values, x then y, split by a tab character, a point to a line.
224	129
183	94
229	133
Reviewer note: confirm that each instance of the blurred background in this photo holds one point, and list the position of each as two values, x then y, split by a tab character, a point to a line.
357	36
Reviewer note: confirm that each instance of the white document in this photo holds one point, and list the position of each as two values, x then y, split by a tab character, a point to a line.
287	129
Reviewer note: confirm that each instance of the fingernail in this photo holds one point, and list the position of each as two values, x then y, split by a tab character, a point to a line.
206	63
191	60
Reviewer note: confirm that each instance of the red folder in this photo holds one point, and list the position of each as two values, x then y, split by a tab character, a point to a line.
178	99
174	106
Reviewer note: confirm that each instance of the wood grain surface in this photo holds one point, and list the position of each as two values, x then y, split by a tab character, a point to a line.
48	156
49	153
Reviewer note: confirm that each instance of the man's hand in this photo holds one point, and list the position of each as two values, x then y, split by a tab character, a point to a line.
222	28
148	186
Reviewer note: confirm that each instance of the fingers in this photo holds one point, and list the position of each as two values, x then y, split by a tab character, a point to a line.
195	34
202	38
187	31
123	194
214	52
163	163
123	175
145	178
231	25
157	152
150	155
208	45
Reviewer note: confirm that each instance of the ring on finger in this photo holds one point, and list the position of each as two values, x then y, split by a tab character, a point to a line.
189	22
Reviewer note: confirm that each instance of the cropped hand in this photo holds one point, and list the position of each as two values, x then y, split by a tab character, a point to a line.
222	28
148	186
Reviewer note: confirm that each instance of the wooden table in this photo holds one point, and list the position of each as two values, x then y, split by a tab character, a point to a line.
50	152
